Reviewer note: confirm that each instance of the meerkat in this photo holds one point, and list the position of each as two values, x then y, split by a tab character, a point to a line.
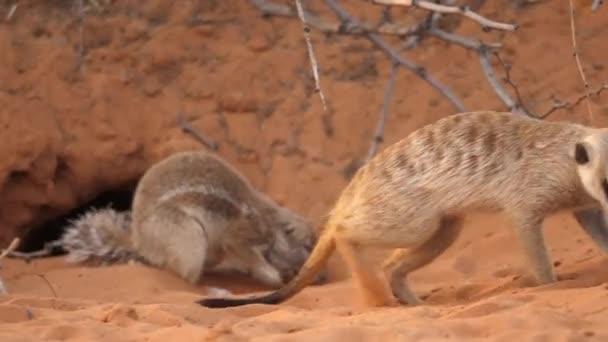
412	198
193	213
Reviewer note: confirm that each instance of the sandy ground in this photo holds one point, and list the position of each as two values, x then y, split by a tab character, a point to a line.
70	132
480	289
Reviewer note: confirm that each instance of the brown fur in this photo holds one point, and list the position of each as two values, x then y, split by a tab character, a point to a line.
413	195
193	213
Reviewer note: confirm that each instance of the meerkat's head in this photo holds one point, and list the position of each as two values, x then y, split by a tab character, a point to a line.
591	156
294	237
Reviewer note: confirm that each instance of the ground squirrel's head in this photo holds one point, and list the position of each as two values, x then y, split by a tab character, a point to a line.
294	237
591	156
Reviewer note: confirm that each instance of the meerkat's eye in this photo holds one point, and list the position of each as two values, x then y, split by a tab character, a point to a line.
581	154
605	187
290	229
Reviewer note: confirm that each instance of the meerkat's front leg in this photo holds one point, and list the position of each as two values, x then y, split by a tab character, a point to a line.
529	231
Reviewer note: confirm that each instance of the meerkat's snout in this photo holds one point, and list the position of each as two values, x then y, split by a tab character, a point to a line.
592	168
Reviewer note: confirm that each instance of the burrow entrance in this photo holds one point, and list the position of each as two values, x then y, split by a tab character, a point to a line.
119	199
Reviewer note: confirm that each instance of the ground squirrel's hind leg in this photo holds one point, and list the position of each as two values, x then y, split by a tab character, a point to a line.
403	261
594	224
371	285
174	240
528	228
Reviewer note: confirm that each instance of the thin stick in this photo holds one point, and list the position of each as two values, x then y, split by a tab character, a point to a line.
46	250
388	93
561	104
484	60
396	58
80	32
510	82
462	10
462	41
11	11
13	245
311	54
267	8
578	60
10	248
188	128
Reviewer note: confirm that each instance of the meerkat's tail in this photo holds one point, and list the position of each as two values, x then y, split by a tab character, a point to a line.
100	236
313	265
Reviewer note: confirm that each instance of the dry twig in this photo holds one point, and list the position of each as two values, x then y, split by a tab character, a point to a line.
510	82
11	11
388	93
267	8
396	58
439	8
578	60
188	128
13	245
80	33
558	104
47	250
512	106
466	43
311	54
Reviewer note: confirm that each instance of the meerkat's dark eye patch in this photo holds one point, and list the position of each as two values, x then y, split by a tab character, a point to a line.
605	187
581	155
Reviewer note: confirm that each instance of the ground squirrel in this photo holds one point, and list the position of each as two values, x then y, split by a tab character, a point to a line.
193	212
412	197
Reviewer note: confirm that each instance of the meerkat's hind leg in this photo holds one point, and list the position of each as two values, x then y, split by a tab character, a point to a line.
593	222
529	231
370	284
403	261
175	240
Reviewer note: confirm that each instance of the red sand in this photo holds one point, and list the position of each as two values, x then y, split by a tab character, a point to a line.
68	134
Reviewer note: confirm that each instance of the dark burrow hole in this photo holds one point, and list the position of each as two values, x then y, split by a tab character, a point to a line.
118	199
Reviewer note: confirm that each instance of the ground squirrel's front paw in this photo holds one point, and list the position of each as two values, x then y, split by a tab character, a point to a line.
269	276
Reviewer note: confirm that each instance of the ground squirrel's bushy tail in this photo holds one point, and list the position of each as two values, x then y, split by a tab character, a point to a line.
313	265
100	236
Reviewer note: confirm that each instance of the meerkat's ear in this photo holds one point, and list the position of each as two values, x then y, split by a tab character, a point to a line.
582	152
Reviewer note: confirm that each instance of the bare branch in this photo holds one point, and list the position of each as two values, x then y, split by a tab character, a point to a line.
557	104
11	11
48	283
510	81
188	128
462	10
311	54
388	93
462	41
13	245
578	60
80	32
484	59
396	58
596	4
267	9
46	250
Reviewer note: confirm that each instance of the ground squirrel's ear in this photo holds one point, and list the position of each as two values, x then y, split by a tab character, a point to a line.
581	153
